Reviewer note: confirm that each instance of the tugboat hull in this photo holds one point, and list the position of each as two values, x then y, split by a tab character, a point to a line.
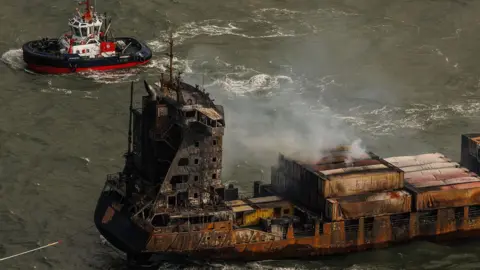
49	60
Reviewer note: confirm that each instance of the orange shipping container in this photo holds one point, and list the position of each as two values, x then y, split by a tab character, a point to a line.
368	205
435	197
363	182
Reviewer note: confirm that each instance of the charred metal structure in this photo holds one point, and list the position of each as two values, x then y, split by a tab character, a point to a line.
169	198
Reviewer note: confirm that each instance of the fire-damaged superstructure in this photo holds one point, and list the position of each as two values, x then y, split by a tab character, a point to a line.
169	198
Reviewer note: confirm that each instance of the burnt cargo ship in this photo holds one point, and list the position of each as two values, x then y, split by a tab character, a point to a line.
169	199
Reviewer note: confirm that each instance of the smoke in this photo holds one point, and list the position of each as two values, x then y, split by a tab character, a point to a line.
258	129
356	151
277	114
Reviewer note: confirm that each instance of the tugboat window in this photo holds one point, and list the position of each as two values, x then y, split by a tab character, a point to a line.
97	28
84	31
77	31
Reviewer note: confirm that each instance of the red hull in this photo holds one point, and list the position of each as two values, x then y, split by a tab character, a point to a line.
58	70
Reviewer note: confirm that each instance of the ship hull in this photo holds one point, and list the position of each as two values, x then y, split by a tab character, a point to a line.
113	221
51	62
241	253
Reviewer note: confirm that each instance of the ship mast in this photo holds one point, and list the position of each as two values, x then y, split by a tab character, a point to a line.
170	55
129	151
127	170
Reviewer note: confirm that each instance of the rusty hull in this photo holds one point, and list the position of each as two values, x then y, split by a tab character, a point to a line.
221	241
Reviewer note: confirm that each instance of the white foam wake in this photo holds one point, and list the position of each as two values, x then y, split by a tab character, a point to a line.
13	58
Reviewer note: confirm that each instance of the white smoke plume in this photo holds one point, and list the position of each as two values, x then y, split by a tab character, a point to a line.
259	129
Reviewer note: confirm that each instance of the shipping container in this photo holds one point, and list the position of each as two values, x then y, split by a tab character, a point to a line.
409	175
358	183
331	166
433	177
430	166
444	182
416	162
443	196
368	205
423	158
307	185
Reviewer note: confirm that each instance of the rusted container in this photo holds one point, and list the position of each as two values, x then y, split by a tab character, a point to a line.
443	195
435	172
358	183
368	205
416	162
433	177
431	183
428	158
430	166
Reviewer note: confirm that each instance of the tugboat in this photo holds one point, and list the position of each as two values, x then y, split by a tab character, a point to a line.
88	46
169	200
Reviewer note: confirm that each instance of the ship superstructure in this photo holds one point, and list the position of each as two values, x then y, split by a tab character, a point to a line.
169	199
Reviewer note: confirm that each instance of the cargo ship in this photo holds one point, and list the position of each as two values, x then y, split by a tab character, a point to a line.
88	46
169	200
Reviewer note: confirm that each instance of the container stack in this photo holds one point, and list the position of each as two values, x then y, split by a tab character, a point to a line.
341	187
437	182
362	187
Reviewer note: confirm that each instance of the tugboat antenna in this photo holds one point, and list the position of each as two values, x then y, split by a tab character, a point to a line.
130	120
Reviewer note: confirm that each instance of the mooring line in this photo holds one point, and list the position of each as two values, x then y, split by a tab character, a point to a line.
45	246
32	250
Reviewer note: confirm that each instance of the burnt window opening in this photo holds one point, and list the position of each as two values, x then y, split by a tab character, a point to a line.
195	195
183	162
286	211
190	114
427	222
214	176
214	142
176	180
474	211
351	230
368	229
171	200
195	178
277	211
458	213
214	159
197	144
160	220
196	161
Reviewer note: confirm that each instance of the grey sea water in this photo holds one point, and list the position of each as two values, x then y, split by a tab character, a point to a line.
402	76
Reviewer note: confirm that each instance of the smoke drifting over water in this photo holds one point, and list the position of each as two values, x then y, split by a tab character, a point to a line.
258	129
